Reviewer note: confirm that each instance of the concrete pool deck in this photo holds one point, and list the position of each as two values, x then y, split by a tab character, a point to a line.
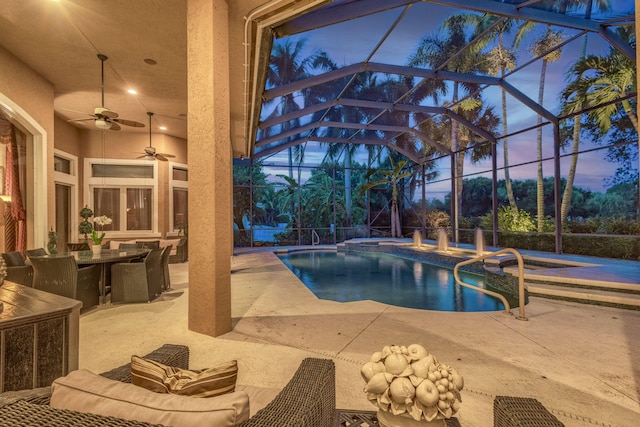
582	362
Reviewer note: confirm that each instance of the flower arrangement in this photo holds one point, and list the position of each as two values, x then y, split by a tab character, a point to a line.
409	382
99	221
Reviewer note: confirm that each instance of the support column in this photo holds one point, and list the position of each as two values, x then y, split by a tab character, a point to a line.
637	14
209	159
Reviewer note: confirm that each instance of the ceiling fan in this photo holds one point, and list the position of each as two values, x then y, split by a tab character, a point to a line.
103	117
150	151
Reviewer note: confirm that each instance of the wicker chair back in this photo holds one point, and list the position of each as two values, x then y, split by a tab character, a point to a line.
60	275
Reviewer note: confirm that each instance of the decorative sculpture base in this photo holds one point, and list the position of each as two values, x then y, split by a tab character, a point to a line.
387	419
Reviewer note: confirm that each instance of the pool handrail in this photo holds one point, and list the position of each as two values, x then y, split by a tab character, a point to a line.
315	238
507	306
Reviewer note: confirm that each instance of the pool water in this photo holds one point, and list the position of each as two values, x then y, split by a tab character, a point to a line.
387	279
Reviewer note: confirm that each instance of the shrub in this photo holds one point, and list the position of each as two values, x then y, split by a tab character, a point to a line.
510	220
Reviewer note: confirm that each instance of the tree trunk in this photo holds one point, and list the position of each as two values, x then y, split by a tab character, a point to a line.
505	146
347	186
540	186
568	190
634	120
460	171
395	218
457	173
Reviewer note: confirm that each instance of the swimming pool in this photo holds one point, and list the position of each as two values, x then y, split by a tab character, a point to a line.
387	279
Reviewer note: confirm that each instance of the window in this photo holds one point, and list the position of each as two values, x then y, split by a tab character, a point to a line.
127	192
65	167
122	171
179	197
62	165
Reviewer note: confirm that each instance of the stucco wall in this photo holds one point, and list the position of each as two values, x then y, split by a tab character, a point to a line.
129	145
34	95
67	138
89	143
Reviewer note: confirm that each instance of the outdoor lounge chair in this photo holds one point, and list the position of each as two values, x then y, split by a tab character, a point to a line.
35	252
18	271
138	281
308	399
60	275
129	246
512	411
182	252
166	252
84	246
148	244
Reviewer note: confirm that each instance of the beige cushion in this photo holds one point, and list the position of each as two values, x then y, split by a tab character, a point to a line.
159	378
85	391
259	397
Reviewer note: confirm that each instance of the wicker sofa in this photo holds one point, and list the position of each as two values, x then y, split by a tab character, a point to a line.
308	399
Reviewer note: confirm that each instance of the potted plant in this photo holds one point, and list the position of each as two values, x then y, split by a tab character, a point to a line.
52	245
85	226
96	237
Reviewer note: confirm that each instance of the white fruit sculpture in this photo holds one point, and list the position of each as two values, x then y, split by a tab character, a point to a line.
409	383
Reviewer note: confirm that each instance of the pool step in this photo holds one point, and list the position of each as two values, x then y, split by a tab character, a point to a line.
612	297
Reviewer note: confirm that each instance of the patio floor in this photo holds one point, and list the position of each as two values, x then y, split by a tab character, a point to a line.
582	362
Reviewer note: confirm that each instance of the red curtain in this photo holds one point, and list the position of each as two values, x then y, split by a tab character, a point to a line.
14	183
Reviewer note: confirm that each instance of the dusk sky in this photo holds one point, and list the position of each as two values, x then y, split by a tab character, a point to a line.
354	41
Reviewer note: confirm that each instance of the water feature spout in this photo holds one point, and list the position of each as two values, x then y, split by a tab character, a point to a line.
417	239
443	240
479	242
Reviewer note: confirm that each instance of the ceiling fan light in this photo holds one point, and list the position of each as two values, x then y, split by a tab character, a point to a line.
103	124
149	157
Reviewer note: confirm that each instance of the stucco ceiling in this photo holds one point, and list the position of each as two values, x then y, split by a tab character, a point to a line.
61	40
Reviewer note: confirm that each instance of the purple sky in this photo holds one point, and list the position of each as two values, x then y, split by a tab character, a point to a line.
353	42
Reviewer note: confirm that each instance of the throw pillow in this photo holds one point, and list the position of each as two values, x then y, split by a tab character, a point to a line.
160	378
85	391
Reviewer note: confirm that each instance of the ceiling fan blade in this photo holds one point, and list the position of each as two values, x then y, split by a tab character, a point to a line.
105	112
109	114
82	120
129	123
141	157
165	155
114	126
75	111
172	117
161	157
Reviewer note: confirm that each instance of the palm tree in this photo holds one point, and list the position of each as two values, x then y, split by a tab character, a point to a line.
319	193
434	51
287	65
390	177
573	102
470	144
545	43
365	86
500	59
600	81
